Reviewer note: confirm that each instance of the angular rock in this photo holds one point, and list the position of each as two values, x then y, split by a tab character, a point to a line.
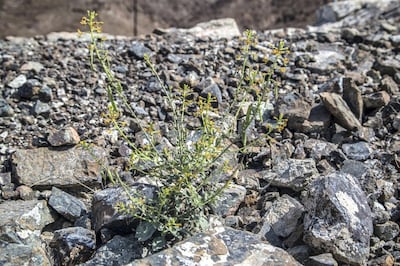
387	231
295	109
376	100
337	206
352	96
43	167
5	108
18	81
291	173
221	246
357	151
73	245
228	202
40	108
283	216
138	50
34	66
340	110
118	251
20	254
67	205
66	136
104	207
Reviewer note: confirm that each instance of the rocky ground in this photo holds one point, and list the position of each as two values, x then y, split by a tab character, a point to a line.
326	193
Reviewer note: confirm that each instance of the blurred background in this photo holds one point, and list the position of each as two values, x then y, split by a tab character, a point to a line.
133	17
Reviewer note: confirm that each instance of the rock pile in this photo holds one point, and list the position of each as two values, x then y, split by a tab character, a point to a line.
326	193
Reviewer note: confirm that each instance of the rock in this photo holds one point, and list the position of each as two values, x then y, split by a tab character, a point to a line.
340	110
25	192
228	202
67	205
41	108
325	259
291	173
5	108
62	168
376	100
20	226
18	82
295	109
220	246
357	151
352	96
387	231
318	149
30	89
389	66
336	206
138	50
118	251
283	216
208	86
73	245
104	207
34	66
326	61
225	28
63	137
45	94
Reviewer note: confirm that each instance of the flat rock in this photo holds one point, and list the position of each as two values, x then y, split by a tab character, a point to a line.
44	167
337	206
220	246
340	110
67	205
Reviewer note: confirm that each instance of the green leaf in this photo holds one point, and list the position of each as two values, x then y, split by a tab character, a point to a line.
144	231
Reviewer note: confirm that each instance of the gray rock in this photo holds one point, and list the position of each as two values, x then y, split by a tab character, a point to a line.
357	151
389	66
40	108
318	149
73	245
5	179
326	61
104	207
340	110
325	259
118	251
336	206
138	50
18	82
45	167
387	231
65	136
283	216
45	94
291	173
228	202
5	108
224	246
67	205
20	254
22	221
34	66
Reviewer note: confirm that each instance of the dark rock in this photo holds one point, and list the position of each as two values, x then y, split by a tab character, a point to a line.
221	246
104	207
388	66
5	108
376	100
67	205
73	245
228	202
283	216
29	89
65	136
45	94
336	205
118	251
138	50
352	96
295	109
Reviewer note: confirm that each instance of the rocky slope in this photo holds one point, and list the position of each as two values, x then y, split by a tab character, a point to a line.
326	193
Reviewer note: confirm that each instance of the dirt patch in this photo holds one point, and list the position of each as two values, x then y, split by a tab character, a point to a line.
29	17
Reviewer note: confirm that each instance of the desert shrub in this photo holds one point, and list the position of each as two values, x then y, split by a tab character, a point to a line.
185	173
